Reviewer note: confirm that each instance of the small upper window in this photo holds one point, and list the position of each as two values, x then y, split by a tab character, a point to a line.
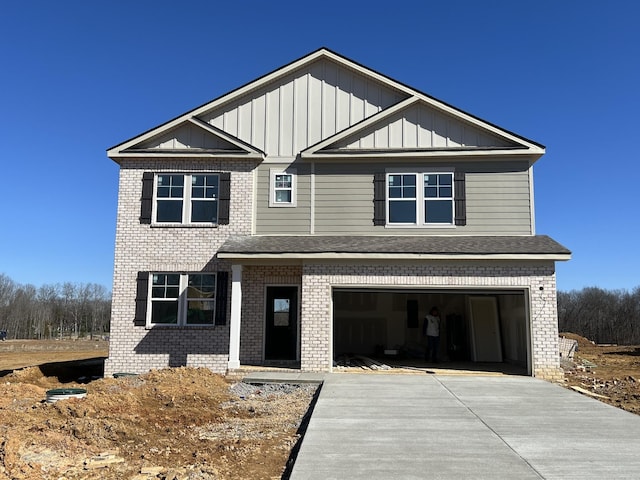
187	198
282	189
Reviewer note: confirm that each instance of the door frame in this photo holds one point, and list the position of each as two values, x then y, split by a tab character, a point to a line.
264	319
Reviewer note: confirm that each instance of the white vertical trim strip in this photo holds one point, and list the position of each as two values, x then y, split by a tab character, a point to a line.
532	204
312	200
236	311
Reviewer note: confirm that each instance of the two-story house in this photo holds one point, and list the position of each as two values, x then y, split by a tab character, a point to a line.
323	209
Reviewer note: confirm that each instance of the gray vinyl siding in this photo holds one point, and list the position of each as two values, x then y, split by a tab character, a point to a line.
283	220
498	200
344	199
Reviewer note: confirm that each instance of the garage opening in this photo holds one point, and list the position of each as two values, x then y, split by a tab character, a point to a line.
480	329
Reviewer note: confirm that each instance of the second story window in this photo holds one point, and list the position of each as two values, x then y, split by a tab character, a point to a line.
282	189
420	199
402	198
438	198
190	198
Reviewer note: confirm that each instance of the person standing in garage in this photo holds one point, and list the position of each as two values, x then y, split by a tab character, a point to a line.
432	331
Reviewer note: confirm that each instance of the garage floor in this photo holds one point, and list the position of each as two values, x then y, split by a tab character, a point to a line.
460	368
463	427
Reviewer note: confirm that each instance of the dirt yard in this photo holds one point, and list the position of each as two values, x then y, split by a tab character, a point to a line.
610	373
183	423
188	423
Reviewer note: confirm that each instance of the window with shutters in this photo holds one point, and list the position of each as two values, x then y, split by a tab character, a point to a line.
185	199
420	199
190	198
181	299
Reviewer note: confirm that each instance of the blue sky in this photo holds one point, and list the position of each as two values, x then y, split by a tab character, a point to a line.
81	76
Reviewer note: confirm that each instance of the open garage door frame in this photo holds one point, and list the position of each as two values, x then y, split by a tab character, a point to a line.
373	319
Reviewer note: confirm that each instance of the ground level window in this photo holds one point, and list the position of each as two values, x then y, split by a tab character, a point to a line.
182	299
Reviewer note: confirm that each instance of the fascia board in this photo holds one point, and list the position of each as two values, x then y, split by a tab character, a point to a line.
391	256
459	154
186	154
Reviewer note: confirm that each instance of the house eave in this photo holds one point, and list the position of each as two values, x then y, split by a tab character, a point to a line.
390	256
184	154
425	153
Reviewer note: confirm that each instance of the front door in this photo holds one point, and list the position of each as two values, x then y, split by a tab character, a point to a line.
281	331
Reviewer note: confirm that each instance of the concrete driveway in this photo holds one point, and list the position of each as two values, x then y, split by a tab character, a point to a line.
372	426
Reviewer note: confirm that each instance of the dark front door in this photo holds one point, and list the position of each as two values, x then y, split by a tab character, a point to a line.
281	332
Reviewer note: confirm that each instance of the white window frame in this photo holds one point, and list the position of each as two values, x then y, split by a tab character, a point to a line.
273	190
187	198
420	198
183	301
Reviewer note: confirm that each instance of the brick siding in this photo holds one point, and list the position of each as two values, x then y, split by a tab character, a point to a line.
318	280
171	249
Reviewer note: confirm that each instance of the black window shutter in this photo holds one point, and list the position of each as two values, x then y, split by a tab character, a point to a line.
142	289
147	198
222	288
460	199
379	198
224	198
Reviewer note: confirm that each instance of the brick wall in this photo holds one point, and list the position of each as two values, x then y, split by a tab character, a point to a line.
190	249
318	279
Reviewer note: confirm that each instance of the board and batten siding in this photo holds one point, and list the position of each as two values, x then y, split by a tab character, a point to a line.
420	126
283	220
303	108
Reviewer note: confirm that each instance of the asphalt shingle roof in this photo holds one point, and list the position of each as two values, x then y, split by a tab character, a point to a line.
451	245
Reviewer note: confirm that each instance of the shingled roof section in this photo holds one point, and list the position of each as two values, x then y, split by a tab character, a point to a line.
409	245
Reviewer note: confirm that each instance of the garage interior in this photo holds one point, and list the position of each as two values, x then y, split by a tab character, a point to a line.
481	330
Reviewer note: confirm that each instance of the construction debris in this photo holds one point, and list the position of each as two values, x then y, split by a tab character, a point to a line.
360	361
587	392
567	347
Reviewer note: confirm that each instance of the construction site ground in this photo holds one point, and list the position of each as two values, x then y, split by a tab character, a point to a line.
188	423
610	373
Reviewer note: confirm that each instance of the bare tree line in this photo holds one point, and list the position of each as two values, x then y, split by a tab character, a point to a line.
603	316
67	310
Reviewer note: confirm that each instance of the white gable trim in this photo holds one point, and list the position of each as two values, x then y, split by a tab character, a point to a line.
524	147
229	138
531	148
244	150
